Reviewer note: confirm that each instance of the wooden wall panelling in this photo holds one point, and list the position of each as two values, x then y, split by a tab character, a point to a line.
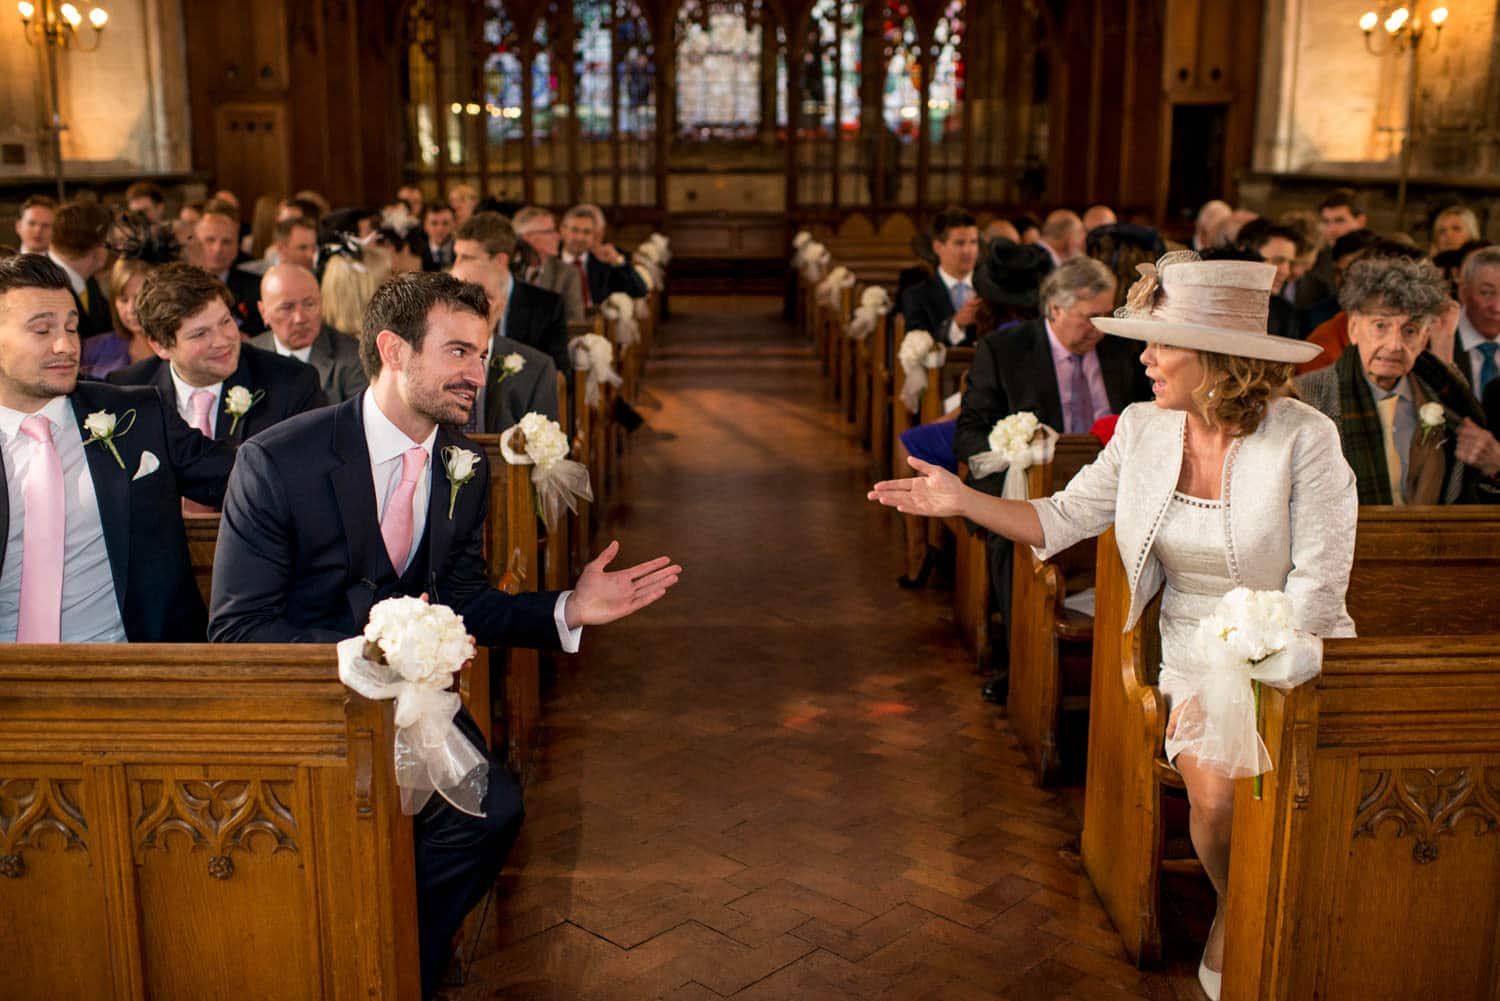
252	144
1144	106
1069	111
308	103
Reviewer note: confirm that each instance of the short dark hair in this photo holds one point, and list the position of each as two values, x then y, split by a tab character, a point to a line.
309	208
950	218
492	230
1344	198
39	202
1356	242
79	227
432	208
1388	249
1401	285
1277	232
221	207
146	189
32	271
402	305
284	227
172	293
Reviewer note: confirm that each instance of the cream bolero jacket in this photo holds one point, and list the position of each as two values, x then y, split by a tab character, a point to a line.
1290	508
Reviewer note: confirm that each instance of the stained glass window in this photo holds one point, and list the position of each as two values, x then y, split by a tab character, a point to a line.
502	74
946	93
593	67
421	84
830	67
718	69
636	51
544	81
903	76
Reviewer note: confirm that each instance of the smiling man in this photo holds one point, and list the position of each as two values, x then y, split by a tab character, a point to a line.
93	550
336	510
945	304
1380	387
201	360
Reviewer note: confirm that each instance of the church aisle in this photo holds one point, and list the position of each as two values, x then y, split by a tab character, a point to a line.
754	789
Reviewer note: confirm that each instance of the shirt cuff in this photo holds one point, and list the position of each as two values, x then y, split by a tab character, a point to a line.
955	333
569	638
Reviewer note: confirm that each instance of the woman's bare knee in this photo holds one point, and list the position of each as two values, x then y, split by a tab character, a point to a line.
1210	794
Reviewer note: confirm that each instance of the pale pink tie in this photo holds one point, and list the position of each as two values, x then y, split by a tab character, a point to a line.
396	526
203	405
40	619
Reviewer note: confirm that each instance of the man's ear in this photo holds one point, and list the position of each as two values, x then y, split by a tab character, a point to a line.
260	305
161	352
394	350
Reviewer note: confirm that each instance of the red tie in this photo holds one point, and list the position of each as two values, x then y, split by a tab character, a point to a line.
583	280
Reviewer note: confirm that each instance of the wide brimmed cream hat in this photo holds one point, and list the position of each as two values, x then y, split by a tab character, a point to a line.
1219	306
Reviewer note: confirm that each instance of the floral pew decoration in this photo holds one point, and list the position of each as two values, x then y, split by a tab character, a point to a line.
1017	443
874	302
620	308
540	443
596	356
831	288
918	353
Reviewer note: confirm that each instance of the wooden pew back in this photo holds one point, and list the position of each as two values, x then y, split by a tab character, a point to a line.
203	539
193	821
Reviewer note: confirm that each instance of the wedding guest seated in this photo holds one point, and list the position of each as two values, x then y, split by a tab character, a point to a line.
531	315
34	227
79	232
339	509
1123	247
509	393
185	228
352	271
1378	388
292	306
437	230
1207	223
1098	215
94	475
1332	333
944	303
999	229
148	199
403	246
1280	246
463	199
1059	366
217	236
413	197
142	246
1451	262
1029	229
1064	236
1479	324
201	360
602	269
1453	227
537	228
296	243
1342	212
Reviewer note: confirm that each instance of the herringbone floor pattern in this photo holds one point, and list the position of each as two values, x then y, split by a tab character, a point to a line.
780	783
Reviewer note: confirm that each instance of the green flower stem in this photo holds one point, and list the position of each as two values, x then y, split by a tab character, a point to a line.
113	451
1255	687
453	496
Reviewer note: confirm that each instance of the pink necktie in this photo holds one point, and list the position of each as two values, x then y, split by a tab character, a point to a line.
40	619
203	404
396	526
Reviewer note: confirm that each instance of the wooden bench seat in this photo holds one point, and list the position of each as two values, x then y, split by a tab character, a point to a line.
1411	568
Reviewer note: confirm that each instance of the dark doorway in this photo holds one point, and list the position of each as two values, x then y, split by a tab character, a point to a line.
1197	158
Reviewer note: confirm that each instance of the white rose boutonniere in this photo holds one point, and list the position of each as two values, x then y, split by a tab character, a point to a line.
461	465
237	403
510	365
104	428
1432	418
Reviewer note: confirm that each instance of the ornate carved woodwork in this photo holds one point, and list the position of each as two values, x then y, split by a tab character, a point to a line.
1427	803
217	815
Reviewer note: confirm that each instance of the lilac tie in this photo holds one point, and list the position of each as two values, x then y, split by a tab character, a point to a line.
1081	405
396	526
40	619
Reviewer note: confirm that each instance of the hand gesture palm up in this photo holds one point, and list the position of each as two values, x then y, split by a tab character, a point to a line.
933	493
602	595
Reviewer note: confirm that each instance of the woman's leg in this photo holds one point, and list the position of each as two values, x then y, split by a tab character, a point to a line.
1211	812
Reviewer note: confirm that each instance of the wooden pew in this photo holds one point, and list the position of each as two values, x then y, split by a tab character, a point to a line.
1369	867
203	539
180	822
889	329
1411	568
1050	645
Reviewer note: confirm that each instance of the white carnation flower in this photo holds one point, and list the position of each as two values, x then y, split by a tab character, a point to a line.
513	363
237	400
100	424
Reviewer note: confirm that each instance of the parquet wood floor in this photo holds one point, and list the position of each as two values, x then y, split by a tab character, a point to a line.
781	783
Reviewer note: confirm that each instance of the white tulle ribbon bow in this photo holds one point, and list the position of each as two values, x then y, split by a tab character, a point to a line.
620	308
539	442
874	302
831	288
422	646
596	356
1248	640
918	353
1017	443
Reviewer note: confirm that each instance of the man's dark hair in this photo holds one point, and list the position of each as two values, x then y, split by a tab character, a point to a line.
222	207
145	189
1354	243
79	227
284	227
172	293
31	271
403	304
1344	198
432	208
951	217
1388	249
492	230
1276	232
39	202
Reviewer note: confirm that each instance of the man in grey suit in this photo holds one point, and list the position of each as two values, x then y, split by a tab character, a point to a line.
508	394
538	228
292	307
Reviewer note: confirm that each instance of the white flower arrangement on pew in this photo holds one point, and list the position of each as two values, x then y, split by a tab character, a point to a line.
409	652
620	309
918	353
662	245
831	288
815	258
874	302
1017	443
539	442
1249	640
595	355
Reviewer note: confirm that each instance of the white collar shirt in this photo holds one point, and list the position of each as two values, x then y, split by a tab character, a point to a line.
301	354
185	400
90	609
76	280
955	332
1469	341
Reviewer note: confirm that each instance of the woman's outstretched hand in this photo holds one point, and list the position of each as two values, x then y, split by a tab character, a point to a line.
932	493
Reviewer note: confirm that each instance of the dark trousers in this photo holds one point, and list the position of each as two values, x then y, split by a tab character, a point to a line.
1001	554
458	859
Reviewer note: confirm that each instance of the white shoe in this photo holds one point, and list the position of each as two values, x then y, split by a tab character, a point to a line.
1212	980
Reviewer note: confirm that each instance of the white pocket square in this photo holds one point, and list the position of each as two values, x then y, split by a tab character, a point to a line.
149	464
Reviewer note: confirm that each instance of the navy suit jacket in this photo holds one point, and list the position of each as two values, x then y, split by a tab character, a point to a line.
245	287
97	318
928	306
290	387
301	559
535	317
605	280
142	517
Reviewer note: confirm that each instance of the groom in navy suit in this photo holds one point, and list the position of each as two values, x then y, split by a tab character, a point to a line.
337	509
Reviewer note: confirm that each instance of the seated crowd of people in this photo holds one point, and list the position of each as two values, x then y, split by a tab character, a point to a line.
304	377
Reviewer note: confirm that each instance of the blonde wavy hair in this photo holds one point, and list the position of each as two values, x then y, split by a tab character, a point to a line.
1236	392
348	287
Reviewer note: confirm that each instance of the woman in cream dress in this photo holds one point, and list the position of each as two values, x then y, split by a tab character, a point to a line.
1225	481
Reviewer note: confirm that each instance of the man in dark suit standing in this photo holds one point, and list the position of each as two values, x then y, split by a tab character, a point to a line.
336	510
1061	368
217	235
225	388
601	268
531	315
78	247
944	303
103	557
292	306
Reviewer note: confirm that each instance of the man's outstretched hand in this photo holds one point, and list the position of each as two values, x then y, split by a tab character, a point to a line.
602	595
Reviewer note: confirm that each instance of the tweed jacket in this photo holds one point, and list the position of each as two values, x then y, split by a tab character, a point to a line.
1290	507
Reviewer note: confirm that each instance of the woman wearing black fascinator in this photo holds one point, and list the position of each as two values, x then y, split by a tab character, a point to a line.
139	246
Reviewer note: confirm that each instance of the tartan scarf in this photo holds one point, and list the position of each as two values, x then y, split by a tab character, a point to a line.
1364	440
